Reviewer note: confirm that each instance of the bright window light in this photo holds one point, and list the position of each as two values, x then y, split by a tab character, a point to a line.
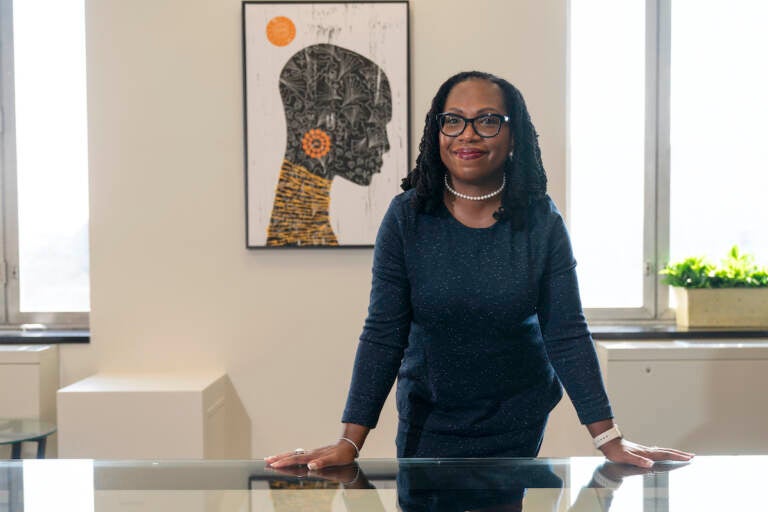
606	137
719	133
51	155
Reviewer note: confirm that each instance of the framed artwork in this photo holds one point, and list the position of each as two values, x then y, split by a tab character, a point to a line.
326	120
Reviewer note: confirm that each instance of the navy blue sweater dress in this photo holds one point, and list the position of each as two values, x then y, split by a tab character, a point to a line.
480	326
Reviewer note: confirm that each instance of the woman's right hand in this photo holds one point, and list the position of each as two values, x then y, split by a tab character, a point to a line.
337	454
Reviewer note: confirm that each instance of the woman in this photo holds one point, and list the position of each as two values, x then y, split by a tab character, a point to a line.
474	302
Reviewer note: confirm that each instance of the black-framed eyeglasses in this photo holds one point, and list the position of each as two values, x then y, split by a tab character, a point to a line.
485	125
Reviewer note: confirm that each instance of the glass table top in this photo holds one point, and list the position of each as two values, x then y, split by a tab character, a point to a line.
13	430
573	485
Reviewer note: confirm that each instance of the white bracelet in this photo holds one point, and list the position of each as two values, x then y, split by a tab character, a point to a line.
603	481
609	435
357	475
357	450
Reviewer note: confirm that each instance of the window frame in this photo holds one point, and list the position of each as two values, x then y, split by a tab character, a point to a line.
10	311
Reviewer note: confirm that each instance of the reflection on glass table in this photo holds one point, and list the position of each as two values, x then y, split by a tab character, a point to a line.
483	485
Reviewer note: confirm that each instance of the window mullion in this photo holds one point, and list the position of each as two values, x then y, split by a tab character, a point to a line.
7	191
10	188
662	172
651	155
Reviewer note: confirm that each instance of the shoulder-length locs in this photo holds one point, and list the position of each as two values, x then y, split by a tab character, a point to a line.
526	178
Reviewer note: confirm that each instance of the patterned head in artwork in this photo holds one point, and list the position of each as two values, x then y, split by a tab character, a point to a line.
337	106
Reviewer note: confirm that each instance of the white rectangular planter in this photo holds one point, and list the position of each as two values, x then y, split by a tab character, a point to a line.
722	307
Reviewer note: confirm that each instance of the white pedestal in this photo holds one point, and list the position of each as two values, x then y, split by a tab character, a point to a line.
29	378
153	416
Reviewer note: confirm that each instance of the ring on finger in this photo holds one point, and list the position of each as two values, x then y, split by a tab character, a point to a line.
299	451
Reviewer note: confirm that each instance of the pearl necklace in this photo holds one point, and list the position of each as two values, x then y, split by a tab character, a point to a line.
476	198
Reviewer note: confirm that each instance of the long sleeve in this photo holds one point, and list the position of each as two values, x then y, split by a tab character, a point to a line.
567	338
385	334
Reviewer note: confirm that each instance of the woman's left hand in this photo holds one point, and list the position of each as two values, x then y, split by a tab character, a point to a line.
626	452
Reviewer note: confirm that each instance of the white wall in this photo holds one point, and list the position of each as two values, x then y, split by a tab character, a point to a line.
172	283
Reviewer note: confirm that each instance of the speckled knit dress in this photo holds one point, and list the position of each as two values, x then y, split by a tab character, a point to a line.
480	327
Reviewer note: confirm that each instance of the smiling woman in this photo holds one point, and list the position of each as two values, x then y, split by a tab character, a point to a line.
475	157
474	303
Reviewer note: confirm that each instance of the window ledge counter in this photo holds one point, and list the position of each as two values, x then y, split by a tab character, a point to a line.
14	336
600	332
626	332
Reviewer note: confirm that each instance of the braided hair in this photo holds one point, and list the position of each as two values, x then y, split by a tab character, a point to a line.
526	178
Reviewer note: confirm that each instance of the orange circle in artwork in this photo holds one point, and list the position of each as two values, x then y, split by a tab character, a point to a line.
316	143
280	31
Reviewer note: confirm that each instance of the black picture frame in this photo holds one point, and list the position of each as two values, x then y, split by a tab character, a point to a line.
326	120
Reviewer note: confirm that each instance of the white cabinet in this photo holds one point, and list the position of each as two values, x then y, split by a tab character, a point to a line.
708	397
29	378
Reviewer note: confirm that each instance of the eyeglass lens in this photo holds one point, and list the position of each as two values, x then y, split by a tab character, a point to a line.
487	125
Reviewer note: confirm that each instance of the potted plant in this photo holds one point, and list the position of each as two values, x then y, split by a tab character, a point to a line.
732	294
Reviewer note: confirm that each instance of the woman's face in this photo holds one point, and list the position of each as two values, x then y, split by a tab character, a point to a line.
469	158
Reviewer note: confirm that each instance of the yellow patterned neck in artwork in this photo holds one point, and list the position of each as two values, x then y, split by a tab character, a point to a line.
300	211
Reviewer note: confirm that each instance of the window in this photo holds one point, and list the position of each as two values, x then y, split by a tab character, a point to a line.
44	163
719	128
607	167
667	143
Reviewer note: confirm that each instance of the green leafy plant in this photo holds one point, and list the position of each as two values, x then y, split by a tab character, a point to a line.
737	270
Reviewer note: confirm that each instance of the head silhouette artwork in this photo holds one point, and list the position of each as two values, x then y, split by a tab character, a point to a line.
337	105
